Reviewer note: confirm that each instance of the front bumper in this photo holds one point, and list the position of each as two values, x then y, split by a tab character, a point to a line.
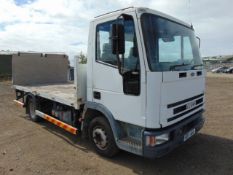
177	132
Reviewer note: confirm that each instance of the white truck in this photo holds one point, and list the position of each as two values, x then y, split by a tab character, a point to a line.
141	91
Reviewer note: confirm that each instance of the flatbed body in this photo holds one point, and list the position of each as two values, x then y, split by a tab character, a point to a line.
64	93
46	75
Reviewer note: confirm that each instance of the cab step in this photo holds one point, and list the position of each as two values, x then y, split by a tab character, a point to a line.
132	142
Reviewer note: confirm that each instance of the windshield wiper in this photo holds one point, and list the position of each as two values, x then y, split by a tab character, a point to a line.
193	67
177	65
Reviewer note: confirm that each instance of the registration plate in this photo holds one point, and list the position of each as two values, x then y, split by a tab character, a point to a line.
189	134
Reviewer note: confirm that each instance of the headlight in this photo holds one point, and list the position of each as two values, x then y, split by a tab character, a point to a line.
157	140
162	138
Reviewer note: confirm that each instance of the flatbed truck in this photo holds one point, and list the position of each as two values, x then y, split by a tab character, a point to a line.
142	90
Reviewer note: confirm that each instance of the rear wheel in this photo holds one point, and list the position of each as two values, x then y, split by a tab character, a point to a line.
31	105
101	137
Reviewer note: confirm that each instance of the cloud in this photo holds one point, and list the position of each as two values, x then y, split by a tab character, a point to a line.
62	25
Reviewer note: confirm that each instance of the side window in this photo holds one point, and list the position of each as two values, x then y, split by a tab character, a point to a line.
131	77
131	60
103	44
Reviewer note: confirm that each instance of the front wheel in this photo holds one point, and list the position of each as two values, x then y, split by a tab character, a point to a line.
101	137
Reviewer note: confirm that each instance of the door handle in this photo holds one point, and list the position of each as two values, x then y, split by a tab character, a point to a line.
97	95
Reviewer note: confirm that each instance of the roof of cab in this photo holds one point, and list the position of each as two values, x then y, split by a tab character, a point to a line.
140	10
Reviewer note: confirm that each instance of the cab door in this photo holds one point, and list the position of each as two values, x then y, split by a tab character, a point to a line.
122	95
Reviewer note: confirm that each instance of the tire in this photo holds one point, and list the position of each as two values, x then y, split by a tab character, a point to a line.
101	137
31	107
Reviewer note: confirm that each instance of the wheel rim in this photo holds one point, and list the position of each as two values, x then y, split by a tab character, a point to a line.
32	110
100	138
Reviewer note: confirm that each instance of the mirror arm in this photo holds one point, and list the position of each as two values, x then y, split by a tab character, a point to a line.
199	43
119	63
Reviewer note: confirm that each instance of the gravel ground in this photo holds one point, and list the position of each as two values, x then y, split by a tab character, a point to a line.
41	149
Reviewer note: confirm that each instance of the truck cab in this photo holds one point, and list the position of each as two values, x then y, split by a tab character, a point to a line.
148	75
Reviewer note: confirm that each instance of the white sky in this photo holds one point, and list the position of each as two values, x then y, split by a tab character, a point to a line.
62	25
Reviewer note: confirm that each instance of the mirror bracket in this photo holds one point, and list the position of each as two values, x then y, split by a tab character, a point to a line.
199	41
118	42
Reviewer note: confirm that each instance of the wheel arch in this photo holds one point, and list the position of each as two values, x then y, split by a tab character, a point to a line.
92	110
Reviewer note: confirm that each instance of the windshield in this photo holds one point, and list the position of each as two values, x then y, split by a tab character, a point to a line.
170	46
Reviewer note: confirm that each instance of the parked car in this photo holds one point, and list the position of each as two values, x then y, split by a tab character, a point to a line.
219	69
229	70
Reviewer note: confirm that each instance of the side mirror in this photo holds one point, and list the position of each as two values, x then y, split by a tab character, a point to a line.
135	51
118	39
199	41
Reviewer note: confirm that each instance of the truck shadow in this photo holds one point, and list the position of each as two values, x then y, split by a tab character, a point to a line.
203	154
73	140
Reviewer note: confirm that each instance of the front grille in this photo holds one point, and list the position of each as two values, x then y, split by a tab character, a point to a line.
179	109
184	113
184	107
199	101
184	101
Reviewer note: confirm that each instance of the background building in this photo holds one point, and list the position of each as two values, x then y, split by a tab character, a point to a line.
6	64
